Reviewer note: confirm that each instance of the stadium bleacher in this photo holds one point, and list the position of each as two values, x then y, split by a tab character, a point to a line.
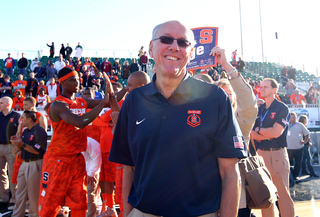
255	70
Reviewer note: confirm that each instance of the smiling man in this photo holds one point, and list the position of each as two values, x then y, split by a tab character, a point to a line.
177	138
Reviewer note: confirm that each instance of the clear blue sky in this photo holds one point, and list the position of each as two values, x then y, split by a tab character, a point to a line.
127	25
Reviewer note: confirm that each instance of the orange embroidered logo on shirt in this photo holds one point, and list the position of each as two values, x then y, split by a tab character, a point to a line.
272	115
193	119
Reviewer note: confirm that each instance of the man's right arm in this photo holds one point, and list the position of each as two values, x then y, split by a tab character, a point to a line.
126	186
59	110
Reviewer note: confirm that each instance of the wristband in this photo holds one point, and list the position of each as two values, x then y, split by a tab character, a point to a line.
23	145
112	97
234	70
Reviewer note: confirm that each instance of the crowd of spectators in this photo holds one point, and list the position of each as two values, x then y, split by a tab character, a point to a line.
43	84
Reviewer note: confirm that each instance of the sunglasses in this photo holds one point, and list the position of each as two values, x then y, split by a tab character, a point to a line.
169	40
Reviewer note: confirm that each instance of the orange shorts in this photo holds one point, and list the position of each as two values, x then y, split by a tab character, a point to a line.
62	184
108	169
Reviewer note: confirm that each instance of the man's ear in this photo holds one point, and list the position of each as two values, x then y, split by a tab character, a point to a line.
150	49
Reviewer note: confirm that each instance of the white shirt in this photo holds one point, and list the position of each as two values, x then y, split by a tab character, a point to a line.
59	65
92	157
34	64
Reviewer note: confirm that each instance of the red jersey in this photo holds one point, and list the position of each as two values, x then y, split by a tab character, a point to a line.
9	62
106	136
67	139
106	66
93	130
18	83
16	101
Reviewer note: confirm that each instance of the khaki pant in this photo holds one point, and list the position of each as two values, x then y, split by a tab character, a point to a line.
6	156
93	193
28	188
136	213
277	163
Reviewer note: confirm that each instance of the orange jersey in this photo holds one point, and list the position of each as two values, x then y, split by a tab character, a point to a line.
93	131
18	83
16	101
106	136
67	139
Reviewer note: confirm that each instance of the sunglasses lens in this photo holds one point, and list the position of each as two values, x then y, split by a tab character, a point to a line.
183	43
169	40
166	40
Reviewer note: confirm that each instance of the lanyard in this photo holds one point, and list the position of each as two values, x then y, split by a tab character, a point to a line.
262	118
291	125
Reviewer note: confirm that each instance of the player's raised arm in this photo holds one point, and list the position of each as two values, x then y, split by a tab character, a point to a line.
59	108
118	96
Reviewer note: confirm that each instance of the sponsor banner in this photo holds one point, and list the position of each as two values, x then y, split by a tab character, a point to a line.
311	112
206	38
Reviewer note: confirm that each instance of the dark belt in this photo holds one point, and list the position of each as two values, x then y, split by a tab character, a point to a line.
271	149
33	159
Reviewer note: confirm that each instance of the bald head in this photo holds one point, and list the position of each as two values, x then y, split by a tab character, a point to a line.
5	104
189	31
137	79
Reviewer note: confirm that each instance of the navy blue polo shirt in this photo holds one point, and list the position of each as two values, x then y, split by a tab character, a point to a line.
174	145
8	126
278	112
37	138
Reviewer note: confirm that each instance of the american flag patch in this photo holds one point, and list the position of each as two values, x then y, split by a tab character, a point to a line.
37	146
284	121
238	142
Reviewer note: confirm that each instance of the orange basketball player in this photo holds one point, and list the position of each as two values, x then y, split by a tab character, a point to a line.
63	173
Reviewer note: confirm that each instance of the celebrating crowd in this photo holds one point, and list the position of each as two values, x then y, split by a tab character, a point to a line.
165	147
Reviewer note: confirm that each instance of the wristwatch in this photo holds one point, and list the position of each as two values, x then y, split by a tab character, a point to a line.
23	145
258	130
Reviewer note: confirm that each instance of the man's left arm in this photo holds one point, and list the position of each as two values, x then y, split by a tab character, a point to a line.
278	127
229	172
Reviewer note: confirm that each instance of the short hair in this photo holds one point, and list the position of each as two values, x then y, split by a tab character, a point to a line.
31	114
117	85
204	77
293	114
303	118
30	99
18	91
90	89
274	83
41	88
6	77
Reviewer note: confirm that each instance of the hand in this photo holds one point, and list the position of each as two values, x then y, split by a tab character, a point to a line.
221	56
16	140
109	88
310	143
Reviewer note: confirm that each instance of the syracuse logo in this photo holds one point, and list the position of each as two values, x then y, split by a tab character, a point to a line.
272	115
193	119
